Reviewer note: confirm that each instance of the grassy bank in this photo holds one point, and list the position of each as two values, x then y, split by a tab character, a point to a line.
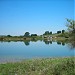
59	37
44	66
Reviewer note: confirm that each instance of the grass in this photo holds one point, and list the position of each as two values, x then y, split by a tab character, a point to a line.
40	66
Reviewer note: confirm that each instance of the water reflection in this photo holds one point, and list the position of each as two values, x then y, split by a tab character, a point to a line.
71	43
59	43
31	49
27	43
34	40
47	42
9	41
50	42
63	44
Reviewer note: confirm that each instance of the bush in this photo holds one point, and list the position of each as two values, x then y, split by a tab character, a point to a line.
58	32
9	36
33	34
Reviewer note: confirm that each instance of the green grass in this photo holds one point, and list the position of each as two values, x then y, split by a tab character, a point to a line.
40	66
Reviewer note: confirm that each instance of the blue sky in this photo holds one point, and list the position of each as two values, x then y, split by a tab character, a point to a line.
34	16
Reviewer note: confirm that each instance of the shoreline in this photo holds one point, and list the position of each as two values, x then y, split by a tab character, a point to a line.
45	66
14	60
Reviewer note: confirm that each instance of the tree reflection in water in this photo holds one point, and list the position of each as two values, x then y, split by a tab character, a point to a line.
46	42
59	43
27	42
63	44
72	43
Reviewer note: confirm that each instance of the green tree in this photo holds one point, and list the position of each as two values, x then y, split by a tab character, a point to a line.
71	25
58	32
71	28
50	33
33	34
27	42
63	31
26	34
46	33
9	36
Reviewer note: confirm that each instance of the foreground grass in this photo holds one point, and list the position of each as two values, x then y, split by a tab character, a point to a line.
44	66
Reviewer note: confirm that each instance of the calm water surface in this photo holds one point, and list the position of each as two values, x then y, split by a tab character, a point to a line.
27	50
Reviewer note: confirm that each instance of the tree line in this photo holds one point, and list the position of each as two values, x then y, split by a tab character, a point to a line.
49	33
70	25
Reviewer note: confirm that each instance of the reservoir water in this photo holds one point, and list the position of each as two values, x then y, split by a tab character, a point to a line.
14	51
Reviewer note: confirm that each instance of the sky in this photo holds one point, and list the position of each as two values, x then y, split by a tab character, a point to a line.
34	16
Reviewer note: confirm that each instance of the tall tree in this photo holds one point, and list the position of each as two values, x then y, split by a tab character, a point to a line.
46	32
50	33
63	31
33	34
58	32
71	25
26	34
9	36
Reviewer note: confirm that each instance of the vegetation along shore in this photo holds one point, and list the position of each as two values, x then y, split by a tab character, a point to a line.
40	66
59	35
